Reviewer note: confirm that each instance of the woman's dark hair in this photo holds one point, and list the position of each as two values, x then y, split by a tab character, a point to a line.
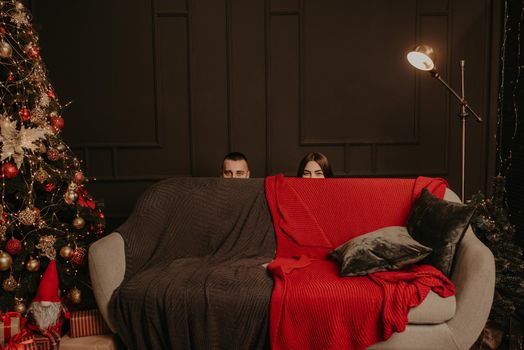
320	159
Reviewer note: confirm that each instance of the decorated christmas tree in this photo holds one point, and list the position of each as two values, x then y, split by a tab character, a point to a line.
46	213
491	224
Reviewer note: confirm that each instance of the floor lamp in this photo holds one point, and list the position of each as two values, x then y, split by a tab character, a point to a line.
423	58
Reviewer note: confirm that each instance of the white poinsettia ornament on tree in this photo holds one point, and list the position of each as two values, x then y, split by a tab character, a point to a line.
16	143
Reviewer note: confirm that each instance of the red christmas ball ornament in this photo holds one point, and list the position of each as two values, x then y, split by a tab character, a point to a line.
100	229
53	154
79	177
9	170
50	187
13	246
51	93
79	257
32	51
101	215
2	30
25	114
57	123
10	77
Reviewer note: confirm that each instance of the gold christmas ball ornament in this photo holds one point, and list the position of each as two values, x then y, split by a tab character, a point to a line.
79	222
72	196
61	147
10	284
32	265
19	306
75	296
19	6
5	49
5	261
66	252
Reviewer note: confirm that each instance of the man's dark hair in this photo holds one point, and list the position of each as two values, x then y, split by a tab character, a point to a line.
235	156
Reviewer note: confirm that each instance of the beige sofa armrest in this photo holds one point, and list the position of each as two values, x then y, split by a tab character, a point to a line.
107	265
474	278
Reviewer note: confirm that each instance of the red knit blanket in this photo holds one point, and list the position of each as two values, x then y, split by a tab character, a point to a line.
312	307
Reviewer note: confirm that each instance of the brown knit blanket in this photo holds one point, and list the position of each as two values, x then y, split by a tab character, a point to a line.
194	249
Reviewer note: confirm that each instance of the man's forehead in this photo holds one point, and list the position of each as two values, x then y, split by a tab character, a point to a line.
235	164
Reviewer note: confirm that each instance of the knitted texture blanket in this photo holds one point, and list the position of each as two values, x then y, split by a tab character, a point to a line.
194	277
312	307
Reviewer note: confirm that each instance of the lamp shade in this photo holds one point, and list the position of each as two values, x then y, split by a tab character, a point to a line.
423	58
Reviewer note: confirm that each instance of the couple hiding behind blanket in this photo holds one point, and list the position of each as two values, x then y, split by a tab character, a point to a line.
314	165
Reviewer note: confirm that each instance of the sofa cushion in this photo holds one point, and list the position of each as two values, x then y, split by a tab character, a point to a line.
439	224
388	248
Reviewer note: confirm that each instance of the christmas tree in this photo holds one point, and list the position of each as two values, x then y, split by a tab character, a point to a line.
46	212
491	224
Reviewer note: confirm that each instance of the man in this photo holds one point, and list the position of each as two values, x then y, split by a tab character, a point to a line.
235	166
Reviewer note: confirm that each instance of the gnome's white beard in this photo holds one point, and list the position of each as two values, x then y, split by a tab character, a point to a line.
46	316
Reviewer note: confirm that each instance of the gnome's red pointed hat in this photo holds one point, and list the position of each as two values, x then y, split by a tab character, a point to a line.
48	288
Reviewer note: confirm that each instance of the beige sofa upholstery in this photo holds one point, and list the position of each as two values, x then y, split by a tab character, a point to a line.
451	323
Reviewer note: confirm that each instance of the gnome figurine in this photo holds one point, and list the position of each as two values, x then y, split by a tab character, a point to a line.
46	310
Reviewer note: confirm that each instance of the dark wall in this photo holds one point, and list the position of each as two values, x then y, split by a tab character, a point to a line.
162	88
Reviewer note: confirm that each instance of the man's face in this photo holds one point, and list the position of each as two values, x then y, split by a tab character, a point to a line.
235	169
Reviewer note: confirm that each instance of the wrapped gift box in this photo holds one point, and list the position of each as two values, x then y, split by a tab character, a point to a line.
25	341
95	342
87	323
42	343
9	326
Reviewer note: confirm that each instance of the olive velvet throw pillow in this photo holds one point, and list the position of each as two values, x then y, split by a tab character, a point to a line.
440	225
389	248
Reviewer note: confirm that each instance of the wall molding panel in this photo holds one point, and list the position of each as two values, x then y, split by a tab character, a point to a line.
167	87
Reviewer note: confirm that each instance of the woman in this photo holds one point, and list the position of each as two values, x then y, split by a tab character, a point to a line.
314	165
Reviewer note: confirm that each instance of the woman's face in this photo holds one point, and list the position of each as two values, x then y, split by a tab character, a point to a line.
313	170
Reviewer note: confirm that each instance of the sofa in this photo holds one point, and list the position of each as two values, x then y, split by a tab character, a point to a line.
437	323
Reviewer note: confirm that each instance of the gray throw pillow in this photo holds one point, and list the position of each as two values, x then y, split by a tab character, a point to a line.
389	248
439	224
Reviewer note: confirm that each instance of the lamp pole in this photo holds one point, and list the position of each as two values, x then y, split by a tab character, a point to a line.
423	58
463	113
